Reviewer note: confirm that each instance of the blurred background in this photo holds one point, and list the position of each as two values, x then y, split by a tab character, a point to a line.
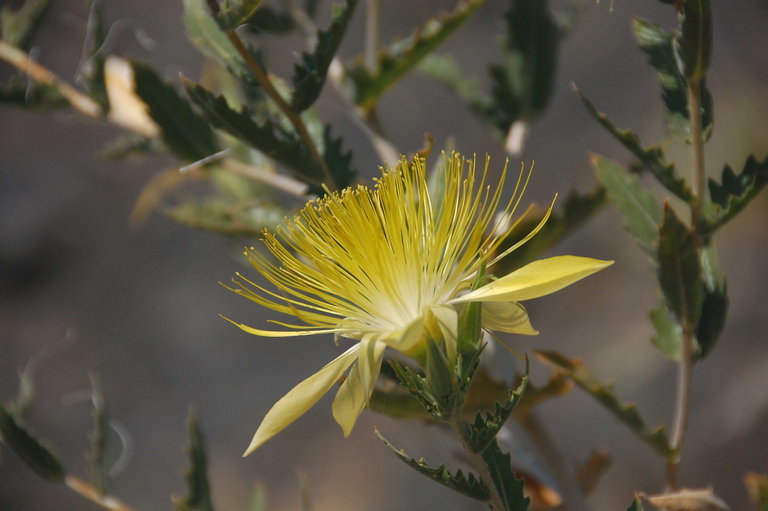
138	306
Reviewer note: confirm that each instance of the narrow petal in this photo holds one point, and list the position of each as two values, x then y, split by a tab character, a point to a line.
536	279
406	338
356	389
301	398
279	333
510	317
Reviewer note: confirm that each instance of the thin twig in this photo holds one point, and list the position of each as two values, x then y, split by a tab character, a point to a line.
23	62
91	493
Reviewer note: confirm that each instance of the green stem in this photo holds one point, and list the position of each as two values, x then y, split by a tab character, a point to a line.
697	153
495	503
372	34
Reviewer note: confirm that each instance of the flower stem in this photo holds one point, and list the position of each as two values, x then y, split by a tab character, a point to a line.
495	502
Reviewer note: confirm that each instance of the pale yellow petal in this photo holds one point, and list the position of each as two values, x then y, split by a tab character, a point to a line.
448	321
301	398
536	279
280	333
510	317
405	338
357	388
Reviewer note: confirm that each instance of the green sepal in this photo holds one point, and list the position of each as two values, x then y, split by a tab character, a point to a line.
652	158
309	76
98	471
642	213
604	394
416	385
17	28
206	34
33	451
679	270
400	57
668	336
734	192
440	378
509	487
198	488
522	85
658	45
470	322
92	70
486	426
636	505
32	95
693	45
468	485
187	134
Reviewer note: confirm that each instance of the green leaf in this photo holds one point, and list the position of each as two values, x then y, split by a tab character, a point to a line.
187	134
693	44
642	214
734	192
269	20
92	70
668	337
97	465
468	485
309	76
198	489
444	69
417	386
657	43
204	32
17	28
652	158
227	216
509	487
637	505
32	95
603	393
522	85
714	310
394	62
679	271
487	425
268	137
440	378
32	451
338	160
233	13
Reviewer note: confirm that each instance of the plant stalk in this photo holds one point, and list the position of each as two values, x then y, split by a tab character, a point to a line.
372	34
697	153
495	503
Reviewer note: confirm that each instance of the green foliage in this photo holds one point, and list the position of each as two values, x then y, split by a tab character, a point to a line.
603	393
522	84
637	505
679	271
198	489
233	13
394	62
32	95
483	431
440	378
309	76
693	44
509	487
734	191
18	27
714	310
97	464
337	159
226	216
187	134
32	450
92	70
209	39
652	159
642	213
657	43
272	21
468	485
668	336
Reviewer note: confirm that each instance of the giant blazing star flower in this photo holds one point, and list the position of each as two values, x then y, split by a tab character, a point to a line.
390	266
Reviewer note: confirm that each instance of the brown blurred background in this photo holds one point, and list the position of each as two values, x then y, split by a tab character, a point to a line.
139	305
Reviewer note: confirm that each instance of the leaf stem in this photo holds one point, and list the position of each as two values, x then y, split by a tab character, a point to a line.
91	493
495	503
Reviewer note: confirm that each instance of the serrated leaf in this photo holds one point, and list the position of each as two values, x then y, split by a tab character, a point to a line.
400	57
668	336
92	70
32	450
734	192
651	158
679	270
98	470
693	44
509	487
637	505
658	45
603	393
187	134
642	214
439	378
522	85
309	76
198	489
468	485
268	137
204	32
338	160
486	426
416	385
233	13
32	95
18	27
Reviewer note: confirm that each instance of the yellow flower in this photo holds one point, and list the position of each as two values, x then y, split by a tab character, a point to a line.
387	265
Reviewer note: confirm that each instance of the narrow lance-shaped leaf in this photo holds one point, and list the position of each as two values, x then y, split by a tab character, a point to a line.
658	45
401	56
198	489
652	158
186	133
509	487
603	393
679	271
309	76
694	42
468	485
18	27
33	451
642	214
